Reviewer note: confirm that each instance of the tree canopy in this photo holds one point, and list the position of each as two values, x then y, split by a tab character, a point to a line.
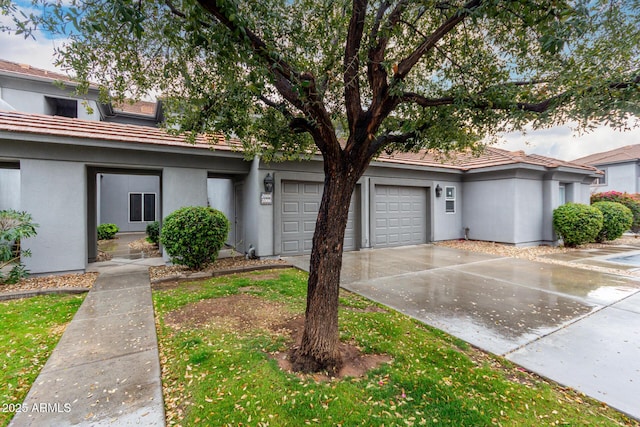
406	74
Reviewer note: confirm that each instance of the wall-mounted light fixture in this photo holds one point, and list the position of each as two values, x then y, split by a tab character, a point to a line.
268	183
438	190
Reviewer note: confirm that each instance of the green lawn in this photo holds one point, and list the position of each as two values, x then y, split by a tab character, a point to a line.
220	374
30	329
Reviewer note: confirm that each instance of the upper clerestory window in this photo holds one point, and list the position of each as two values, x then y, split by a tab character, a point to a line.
62	107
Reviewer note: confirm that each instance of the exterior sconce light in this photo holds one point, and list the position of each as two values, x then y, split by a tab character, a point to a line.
268	183
438	190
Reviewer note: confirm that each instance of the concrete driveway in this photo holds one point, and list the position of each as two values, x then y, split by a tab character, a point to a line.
577	327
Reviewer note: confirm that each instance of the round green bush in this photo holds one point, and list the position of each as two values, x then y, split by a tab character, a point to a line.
617	218
107	231
631	201
576	223
153	232
193	235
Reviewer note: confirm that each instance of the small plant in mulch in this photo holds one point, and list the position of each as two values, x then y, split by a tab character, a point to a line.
107	231
153	232
14	226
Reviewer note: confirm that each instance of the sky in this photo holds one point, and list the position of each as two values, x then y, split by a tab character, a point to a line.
558	142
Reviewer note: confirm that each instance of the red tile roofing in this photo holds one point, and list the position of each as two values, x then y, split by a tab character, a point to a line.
629	153
37	124
489	157
145	108
28	70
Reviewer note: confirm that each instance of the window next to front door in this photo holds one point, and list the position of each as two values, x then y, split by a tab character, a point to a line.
142	207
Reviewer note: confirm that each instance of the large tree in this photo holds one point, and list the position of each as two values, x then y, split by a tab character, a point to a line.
352	79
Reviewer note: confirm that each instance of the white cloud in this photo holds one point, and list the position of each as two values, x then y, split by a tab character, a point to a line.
562	143
38	53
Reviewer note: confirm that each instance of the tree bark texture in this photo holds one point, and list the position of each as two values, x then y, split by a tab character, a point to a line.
319	350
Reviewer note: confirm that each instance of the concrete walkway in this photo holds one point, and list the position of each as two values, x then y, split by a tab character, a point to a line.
105	369
577	327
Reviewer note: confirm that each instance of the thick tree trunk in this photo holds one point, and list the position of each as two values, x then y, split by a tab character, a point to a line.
319	350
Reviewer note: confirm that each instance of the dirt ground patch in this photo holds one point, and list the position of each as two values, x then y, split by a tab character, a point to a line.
239	312
244	312
356	364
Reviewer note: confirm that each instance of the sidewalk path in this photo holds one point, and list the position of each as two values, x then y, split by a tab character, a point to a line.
105	369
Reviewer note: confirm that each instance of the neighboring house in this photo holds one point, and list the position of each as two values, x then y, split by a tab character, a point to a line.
73	173
620	169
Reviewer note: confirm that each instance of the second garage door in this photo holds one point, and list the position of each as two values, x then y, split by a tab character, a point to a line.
299	211
401	216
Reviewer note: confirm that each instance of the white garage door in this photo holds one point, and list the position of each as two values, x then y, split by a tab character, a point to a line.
401	216
299	211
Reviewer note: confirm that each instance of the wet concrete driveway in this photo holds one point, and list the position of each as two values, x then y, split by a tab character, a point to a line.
578	327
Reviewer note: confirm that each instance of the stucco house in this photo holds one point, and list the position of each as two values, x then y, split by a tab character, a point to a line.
620	169
74	172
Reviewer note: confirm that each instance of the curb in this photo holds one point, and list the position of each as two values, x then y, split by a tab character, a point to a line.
7	296
217	273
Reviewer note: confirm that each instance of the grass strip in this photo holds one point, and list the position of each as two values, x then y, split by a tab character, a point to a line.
30	329
222	373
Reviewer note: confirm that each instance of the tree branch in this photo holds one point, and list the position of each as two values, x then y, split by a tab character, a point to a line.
423	101
183	15
375	71
174	9
258	46
405	66
383	140
286	78
426	102
352	98
375	28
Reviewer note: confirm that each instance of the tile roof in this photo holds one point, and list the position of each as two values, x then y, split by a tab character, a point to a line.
144	108
489	157
28	70
629	153
38	124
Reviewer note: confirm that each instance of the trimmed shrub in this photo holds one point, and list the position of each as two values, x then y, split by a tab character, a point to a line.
107	231
576	223
153	232
629	200
193	235
14	226
617	218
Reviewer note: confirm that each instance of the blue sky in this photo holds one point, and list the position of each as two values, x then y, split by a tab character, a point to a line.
559	142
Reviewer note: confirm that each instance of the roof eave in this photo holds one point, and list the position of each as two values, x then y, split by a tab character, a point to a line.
113	144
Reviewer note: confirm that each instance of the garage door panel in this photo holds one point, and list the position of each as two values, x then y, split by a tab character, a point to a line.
311	207
300	205
289	187
401	215
312	188
290	227
290	246
290	207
